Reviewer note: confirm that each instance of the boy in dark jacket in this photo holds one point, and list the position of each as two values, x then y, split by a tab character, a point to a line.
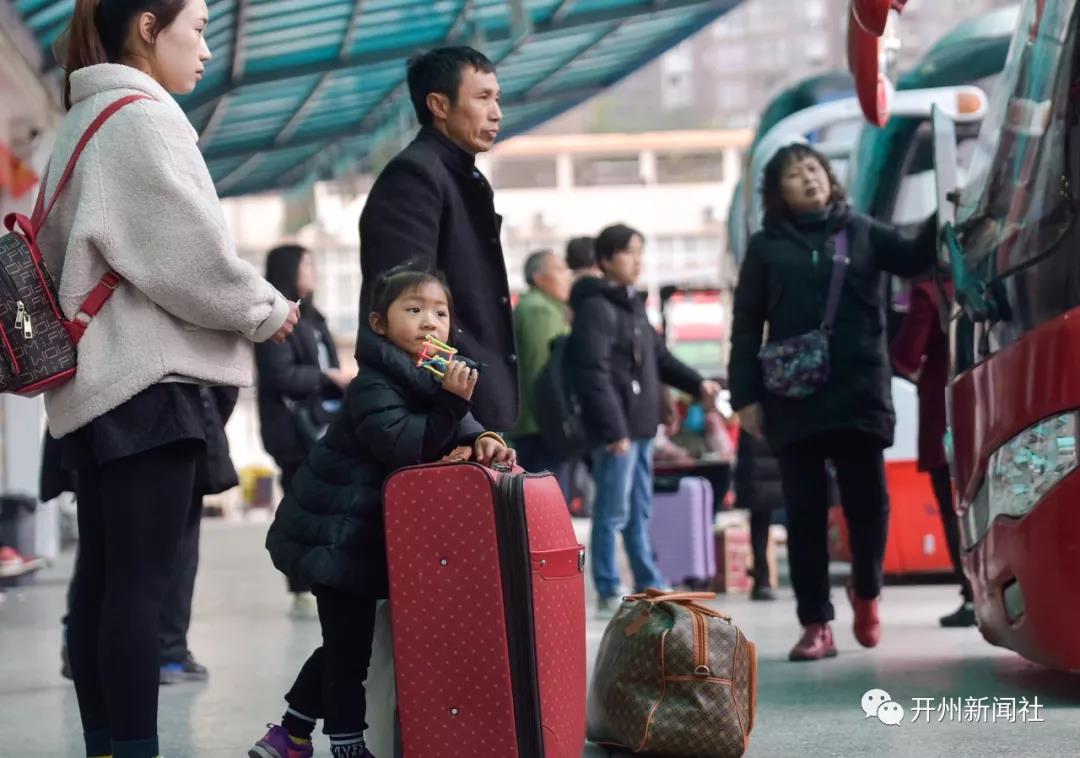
620	363
329	528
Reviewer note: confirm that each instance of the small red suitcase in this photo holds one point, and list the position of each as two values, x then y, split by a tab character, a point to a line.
488	613
916	543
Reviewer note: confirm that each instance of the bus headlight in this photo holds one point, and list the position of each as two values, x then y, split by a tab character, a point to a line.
1022	472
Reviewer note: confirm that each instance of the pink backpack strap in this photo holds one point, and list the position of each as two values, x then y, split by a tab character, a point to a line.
111	280
39	217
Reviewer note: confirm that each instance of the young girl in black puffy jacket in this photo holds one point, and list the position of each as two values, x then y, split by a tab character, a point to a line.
329	528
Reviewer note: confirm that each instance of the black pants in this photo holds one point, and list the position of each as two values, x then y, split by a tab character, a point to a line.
535	456
860	471
942	482
176	608
331	683
131	516
288	473
760	521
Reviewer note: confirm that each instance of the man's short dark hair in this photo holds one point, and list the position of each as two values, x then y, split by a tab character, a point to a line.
534	264
581	253
615	239
440	70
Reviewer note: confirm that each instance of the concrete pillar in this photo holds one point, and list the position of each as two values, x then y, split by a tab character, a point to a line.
564	172
23	427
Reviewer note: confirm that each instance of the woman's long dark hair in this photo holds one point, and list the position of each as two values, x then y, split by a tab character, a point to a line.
99	29
283	270
776	209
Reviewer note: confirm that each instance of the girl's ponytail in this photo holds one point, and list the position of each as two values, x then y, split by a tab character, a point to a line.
80	46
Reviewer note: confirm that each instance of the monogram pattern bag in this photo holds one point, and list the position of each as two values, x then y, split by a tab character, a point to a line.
673	678
799	366
37	343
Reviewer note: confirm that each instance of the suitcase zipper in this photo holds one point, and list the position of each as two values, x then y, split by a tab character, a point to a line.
516	568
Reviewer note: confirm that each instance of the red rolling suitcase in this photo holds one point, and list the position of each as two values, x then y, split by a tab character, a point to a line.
488	614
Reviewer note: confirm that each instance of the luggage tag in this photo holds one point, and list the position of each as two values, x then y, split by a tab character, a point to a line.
437	355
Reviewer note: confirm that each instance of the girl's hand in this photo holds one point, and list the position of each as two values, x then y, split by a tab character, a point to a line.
460	380
489	451
458	455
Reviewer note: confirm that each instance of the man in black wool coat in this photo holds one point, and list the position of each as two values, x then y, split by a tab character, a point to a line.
432	207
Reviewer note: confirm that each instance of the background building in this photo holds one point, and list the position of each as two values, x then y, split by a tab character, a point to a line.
724	76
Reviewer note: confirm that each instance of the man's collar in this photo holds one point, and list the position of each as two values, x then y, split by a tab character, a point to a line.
453	154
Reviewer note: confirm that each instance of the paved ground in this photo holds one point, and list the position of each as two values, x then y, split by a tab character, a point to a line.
242	632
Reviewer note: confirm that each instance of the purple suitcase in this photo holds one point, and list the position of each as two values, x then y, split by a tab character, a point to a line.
681	528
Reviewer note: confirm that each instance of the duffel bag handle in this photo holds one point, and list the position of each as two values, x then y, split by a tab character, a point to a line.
656	596
685	599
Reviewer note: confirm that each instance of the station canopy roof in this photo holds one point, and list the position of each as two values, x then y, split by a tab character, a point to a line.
303	89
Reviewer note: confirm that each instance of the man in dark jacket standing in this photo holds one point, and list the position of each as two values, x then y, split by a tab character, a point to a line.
432	206
621	363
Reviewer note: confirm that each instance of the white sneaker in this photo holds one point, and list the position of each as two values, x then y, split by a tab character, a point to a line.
304	606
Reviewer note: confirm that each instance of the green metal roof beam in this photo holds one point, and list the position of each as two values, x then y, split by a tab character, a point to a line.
563	10
356	129
537	87
236	70
573	21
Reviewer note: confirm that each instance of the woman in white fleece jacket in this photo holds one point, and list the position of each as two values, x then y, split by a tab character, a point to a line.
140	203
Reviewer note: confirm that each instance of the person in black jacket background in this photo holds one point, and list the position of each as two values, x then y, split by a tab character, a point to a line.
294	374
433	208
620	362
329	529
758	489
782	288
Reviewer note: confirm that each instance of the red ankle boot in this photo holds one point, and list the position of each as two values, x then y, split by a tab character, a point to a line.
867	625
816	643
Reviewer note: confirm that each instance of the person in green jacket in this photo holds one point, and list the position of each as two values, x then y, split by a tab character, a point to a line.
540	317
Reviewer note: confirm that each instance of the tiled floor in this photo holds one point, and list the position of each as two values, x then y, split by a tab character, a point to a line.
242	632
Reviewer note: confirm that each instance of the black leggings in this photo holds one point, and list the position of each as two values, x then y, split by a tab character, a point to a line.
131	515
760	521
331	683
942	482
860	472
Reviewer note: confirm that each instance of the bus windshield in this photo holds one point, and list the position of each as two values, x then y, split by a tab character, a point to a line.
1018	203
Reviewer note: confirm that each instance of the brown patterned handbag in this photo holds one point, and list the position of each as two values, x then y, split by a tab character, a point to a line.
37	343
673	678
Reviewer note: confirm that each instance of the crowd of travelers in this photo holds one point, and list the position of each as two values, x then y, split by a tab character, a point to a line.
140	428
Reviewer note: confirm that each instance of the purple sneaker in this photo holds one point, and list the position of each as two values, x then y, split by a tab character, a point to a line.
276	744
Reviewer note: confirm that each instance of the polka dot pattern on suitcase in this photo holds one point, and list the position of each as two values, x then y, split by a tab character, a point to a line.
453	675
559	623
452	668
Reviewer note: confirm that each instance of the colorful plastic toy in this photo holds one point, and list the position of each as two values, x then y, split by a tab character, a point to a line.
437	355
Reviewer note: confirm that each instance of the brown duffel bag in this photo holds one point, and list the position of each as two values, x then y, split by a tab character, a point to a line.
673	678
